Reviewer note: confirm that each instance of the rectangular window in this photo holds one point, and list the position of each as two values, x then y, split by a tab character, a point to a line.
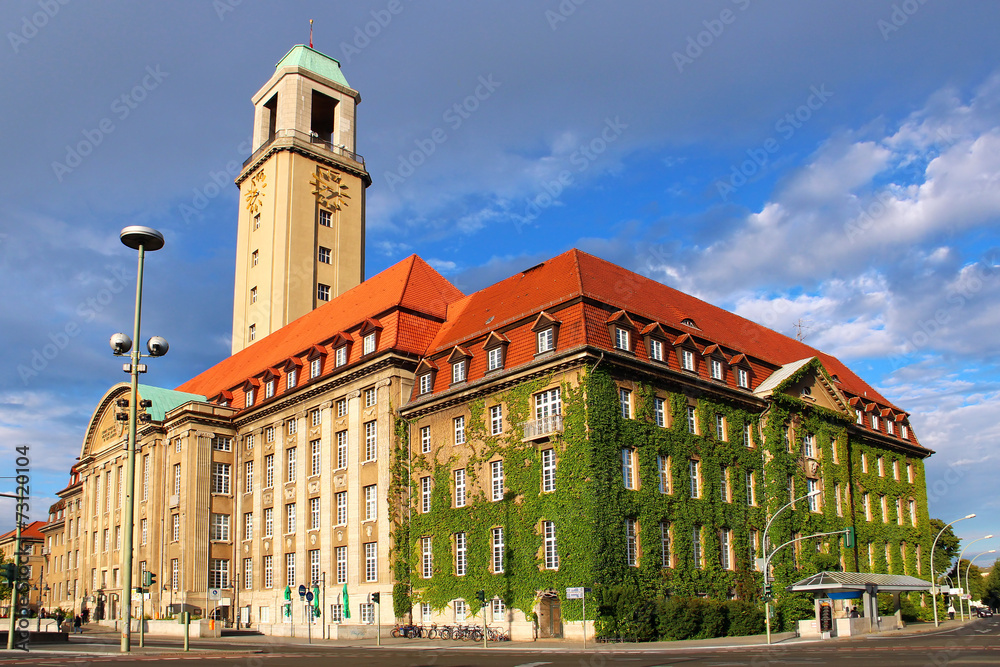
811	486
859	417
341	555
253	295
268	436
291	456
175	574
665	560
655	350
694	470
875	422
837	499
251	335
315	367
341	449
496	477
899	511
325	217
269	389
725	548
290	518
316	417
716	369
663	472
496	420
341	407
177	479
460	487
546	340
425	439
880	461
371	441
659	412
254	257
884	506
494	358
315	458
631	544
460	610
323	292
724	484
367	613
324	255
220	478
498	549
692	419
751	491
290	569
909	473
221	444
551	550
720	427
808	446
268	571
742	378
890	427
248	574
175	528
291	378
220	527
458	371
268	471
548	403
498	611
628	474
864	462
461	555
459	423
371	503
625	401
425	383
218	573
425	494
548	470
314	514
747	436
144	532
248	525
913	512
867	501
341	499
622	341
340	356
687	360
696	546
426	558
371	561
370	397
904	431
145	479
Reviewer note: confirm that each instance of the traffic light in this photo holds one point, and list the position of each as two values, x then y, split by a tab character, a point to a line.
481	596
849	538
376	597
767	590
10	572
148	579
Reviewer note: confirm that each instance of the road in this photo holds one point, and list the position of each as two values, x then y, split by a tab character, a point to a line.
977	643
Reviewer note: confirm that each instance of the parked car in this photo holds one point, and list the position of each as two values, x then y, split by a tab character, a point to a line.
984	612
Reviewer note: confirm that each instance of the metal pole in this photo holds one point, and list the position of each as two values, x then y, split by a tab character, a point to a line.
322	604
767	618
126	640
585	619
933	577
958	574
969	569
767	558
142	614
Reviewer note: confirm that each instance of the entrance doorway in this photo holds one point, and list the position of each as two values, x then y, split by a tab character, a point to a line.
549	616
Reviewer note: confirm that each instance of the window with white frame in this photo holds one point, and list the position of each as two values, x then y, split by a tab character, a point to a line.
458	371
498	611
341	501
665	555
890	427
720	427
625	401
315	367
341	449
663	472
715	367
252	336
837	500
248	525
322	292
904	432
809	446
880	462
425	439
725	548
289	569
909	473
548	403
175	573
268	571
425	383
371	561
371	441
496	535
460	611
426	558
220	477
314	567
370	397
460	487
144	532
811	486
496	419
220	527
222	444
269	389
628	469
325	218
371	502
724	484
425	494
341	407
913	512
548	470
692	419
742	378
622	339
494	358
551	550
694	470
218	573
175	529
687	360
659	411
268	437
291	378
696	546
751	491
314	514
315	458
631	543
461	554
425	613
875	422
368	343
864	462
496	479
367	613
867	503
459	423
290	518
859	417
249	396
268	471
747	435
177	479
341	555
655	349
899	511
546	340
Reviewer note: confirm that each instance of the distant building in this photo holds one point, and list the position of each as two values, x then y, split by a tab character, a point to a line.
33	545
575	423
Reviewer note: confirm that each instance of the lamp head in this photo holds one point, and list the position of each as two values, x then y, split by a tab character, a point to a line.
970	516
157	346
120	344
813	493
988	537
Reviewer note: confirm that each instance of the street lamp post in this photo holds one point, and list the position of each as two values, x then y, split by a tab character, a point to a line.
961	609
969	569
141	239
933	577
767	558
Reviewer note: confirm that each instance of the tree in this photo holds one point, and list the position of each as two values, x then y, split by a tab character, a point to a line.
946	549
977	583
991	596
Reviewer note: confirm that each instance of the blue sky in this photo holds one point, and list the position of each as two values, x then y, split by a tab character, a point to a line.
836	163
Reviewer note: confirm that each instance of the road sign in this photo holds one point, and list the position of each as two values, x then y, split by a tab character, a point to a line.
214	594
309	596
575	593
302	590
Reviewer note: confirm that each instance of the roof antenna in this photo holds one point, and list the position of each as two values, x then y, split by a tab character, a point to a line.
310	33
800	327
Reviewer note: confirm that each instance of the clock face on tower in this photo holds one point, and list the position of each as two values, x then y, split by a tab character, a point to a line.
255	192
329	190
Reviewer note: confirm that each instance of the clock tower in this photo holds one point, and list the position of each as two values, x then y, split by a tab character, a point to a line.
301	231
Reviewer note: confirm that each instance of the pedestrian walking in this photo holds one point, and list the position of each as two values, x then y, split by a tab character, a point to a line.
77	624
951	612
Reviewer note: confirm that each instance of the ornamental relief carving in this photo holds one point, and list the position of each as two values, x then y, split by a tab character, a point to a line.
313	487
255	192
812	468
290	492
267	497
340	480
330	191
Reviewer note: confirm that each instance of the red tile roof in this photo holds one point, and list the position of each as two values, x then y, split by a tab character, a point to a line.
31	531
411	284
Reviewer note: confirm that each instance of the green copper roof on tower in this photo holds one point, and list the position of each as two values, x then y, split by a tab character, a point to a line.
314	61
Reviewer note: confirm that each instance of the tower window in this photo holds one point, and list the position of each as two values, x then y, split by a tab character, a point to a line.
324	255
323	113
256	221
324	218
323	292
253	295
253	258
252	334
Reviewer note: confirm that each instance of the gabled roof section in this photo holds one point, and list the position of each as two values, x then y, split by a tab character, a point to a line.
495	339
622	318
410	284
308	58
805	375
458	353
425	366
369	325
165	400
654	329
714	349
543	321
857	581
775	379
686	339
31	531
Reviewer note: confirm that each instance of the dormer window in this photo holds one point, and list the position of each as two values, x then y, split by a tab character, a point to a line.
890	427
425	384
249	396
875	422
742	378
688	322
495	347
655	350
687	360
546	340
494	359
622	340
716	369
369	332
315	367
269	388
340	356
458	371
904	431
291	378
368	344
860	418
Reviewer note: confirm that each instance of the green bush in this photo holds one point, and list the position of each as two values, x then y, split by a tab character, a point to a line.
745	618
714	619
679	618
